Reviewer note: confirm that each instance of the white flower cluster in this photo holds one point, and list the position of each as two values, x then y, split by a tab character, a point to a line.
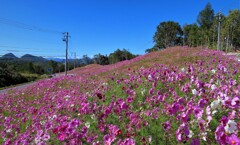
67	97
215	105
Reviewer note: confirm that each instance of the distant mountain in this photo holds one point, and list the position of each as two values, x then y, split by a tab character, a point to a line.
9	56
29	57
56	59
62	60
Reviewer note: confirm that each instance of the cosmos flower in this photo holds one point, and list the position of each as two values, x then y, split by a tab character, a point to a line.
215	104
213	71
231	126
233	140
195	141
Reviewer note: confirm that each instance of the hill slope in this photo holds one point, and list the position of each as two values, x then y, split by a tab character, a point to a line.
174	96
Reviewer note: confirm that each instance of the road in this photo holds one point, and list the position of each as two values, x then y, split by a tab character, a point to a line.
19	87
22	86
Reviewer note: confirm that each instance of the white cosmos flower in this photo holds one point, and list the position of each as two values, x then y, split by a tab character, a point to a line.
213	71
190	134
231	126
194	92
224	69
143	91
150	77
214	112
204	136
87	124
93	116
105	84
215	104
150	139
213	87
67	97
9	130
183	69
37	140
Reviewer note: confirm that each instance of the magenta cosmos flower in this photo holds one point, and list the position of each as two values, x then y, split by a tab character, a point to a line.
233	140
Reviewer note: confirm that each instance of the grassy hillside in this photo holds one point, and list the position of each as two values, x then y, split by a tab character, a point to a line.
174	96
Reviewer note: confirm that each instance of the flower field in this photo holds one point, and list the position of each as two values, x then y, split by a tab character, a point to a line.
175	96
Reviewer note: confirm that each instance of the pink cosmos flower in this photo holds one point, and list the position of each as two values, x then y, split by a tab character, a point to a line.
195	142
233	140
174	108
224	120
123	105
8	142
113	129
129	141
201	124
151	91
232	115
61	136
167	125
198	112
108	139
129	99
201	103
107	111
235	102
182	132
184	117
220	135
46	137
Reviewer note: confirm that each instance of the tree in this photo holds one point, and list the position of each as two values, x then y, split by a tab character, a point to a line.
151	50
120	55
86	60
205	17
193	38
38	69
30	67
231	29
53	65
205	20
189	31
167	34
101	59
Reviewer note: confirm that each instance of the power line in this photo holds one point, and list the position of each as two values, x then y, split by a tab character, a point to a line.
47	56
6	46
26	26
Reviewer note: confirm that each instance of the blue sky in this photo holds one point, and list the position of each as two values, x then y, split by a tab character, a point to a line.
95	26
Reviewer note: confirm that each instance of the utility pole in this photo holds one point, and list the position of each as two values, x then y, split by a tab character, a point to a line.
219	25
65	38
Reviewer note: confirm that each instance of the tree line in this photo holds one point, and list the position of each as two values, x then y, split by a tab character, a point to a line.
114	57
204	32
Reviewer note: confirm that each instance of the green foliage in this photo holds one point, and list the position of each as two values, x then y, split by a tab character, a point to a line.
101	59
231	28
155	48
204	34
120	55
8	77
167	34
191	35
205	17
54	66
